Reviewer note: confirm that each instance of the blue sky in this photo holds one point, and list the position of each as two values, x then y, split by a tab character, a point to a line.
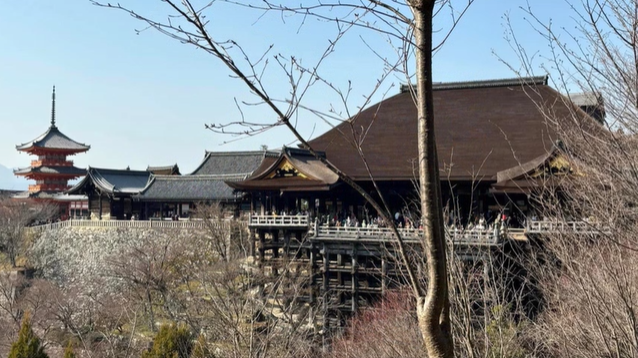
144	99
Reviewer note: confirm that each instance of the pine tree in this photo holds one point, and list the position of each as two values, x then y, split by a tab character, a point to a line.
28	344
68	352
172	341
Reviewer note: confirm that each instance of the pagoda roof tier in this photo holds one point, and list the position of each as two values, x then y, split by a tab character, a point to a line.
43	195
293	170
53	140
112	181
53	171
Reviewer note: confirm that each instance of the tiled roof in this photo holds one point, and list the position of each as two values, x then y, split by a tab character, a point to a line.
189	188
36	195
481	128
113	181
54	139
215	163
62	170
164	170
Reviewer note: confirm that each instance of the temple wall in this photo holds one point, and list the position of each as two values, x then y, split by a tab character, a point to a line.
80	255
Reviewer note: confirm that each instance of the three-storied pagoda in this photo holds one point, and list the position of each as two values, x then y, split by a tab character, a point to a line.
51	170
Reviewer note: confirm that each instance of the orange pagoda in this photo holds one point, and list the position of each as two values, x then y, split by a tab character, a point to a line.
52	170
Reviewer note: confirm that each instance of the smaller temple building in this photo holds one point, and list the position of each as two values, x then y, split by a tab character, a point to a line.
161	193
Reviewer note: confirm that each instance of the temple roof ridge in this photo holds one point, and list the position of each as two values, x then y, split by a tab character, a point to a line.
503	82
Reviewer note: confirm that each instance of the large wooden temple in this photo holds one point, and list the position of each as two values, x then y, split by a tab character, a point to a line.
495	149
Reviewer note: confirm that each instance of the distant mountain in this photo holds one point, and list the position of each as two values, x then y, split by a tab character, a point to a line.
9	181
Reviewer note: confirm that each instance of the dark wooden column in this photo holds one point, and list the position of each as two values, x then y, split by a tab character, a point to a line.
326	287
251	242
313	273
275	251
384	274
355	279
262	250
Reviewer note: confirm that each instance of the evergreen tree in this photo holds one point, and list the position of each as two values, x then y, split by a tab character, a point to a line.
200	349
172	341
28	344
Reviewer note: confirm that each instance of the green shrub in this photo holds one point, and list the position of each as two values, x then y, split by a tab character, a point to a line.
172	341
28	344
200	350
68	352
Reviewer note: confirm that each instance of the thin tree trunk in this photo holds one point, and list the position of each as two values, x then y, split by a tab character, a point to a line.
433	308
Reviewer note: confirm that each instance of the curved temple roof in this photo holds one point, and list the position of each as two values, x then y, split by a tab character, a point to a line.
481	127
164	169
55	140
66	171
113	181
215	163
189	187
293	170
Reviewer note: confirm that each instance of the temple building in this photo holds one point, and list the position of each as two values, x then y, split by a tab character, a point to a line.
160	192
494	148
52	170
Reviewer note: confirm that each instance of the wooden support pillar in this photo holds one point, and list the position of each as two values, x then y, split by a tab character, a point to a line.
325	284
286	248
313	274
340	277
275	251
299	236
262	250
355	279
251	242
100	205
384	275
252	203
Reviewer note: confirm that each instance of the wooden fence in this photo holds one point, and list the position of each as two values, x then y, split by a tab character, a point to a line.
580	227
141	224
279	221
469	236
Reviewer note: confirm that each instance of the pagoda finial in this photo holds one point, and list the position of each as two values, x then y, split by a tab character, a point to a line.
53	108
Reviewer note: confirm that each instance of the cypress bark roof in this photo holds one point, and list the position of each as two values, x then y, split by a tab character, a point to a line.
55	140
293	170
481	128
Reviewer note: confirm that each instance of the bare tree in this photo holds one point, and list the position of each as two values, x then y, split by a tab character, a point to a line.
486	315
409	23
15	217
587	277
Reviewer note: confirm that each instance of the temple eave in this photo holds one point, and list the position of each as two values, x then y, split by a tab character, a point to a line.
36	150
